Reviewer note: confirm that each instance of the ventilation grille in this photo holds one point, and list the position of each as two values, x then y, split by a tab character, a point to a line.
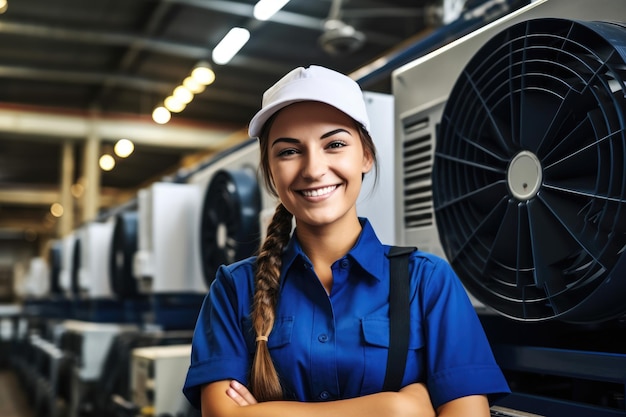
417	163
530	172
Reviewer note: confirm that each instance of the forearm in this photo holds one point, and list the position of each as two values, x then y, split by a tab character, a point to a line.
392	404
473	405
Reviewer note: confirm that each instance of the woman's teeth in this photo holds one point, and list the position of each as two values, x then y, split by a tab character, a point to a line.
319	191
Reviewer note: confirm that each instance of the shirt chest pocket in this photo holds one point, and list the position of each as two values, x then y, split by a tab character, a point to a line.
375	331
279	337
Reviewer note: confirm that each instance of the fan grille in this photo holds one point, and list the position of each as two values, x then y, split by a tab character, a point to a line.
230	229
529	177
123	248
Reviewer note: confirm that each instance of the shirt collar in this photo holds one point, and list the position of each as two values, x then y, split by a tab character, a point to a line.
367	252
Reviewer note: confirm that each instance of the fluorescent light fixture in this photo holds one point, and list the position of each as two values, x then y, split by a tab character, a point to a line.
265	9
234	40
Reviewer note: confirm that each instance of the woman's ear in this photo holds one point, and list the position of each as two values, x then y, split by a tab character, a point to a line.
368	162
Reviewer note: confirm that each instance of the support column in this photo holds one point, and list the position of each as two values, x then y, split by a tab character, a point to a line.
66	221
91	174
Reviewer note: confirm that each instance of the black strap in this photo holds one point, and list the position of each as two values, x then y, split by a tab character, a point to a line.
398	316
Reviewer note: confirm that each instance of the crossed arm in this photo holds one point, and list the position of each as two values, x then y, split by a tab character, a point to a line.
232	399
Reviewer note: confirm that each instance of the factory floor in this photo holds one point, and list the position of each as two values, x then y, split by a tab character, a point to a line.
13	400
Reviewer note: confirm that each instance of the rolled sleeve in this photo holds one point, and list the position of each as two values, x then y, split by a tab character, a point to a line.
219	350
459	358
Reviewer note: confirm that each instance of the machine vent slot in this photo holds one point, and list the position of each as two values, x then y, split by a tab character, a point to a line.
417	157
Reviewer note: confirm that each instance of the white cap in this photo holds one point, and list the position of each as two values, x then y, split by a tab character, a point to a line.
313	83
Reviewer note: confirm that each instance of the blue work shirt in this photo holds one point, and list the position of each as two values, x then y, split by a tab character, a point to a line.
328	347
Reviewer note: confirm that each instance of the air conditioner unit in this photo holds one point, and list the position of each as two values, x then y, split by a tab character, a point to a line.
511	144
234	208
421	90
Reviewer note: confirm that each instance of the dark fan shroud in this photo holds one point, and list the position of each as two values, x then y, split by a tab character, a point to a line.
123	248
230	229
529	178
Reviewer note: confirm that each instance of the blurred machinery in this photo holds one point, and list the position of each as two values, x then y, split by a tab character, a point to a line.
155	375
511	145
188	227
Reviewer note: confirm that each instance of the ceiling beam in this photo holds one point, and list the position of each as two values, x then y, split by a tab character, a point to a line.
29	197
37	197
103	38
144	131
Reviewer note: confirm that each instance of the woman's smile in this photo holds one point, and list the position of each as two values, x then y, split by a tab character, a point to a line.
319	192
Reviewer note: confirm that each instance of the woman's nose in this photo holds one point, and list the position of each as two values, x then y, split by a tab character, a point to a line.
314	165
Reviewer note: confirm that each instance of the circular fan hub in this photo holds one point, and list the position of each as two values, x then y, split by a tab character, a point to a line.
221	235
524	175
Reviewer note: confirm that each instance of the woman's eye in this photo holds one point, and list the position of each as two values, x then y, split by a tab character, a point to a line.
286	152
336	144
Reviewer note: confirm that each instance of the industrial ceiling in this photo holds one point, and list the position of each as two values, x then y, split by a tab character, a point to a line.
69	65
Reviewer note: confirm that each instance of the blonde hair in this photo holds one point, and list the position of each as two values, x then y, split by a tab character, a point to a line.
264	379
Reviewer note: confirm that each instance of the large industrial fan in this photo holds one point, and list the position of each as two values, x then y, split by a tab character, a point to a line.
230	228
513	150
529	176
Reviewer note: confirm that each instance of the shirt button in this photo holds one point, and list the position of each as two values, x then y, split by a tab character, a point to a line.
345	263
323	338
324	395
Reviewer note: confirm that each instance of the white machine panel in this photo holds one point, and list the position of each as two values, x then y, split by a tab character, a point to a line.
167	251
67	258
157	377
95	250
376	201
96	342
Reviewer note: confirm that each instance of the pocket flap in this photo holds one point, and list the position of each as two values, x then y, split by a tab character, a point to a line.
376	333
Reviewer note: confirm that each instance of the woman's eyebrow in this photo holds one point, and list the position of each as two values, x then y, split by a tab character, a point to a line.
285	140
333	132
324	136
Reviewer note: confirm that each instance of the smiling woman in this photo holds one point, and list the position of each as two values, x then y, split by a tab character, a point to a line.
302	329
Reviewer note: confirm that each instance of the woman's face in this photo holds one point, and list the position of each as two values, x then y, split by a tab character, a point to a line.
316	161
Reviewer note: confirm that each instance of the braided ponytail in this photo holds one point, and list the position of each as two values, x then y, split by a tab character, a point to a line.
265	384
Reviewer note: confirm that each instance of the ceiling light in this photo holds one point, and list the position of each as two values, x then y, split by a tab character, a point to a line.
234	40
161	115
106	162
56	210
193	85
182	94
174	105
4	5
203	73
77	190
123	148
265	9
